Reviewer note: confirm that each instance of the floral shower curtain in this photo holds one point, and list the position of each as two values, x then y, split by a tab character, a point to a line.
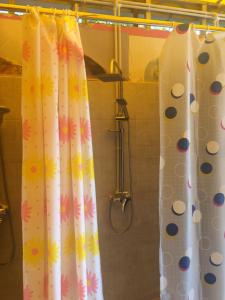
192	164
60	235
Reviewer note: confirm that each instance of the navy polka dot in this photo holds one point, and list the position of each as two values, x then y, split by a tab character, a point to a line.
184	263
219	199
206	168
171	112
192	98
183	144
193	209
216	87
182	28
172	229
210	278
203	58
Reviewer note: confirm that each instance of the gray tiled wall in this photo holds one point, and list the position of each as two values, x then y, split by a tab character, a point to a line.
129	261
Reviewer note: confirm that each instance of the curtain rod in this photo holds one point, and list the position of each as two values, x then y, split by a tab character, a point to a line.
102	17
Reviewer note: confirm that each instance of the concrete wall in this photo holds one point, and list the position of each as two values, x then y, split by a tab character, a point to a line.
129	261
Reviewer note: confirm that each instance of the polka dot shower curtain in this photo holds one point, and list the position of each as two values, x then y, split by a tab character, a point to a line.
192	166
60	236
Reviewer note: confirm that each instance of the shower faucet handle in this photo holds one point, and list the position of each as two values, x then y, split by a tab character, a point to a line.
3	211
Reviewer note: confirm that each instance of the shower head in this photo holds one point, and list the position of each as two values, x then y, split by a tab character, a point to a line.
110	77
122	114
3	110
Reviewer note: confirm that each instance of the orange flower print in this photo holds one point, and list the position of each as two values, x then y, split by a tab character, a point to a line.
92	283
27	293
33	252
64	286
65	208
85	130
88	207
76	206
67	129
26	52
26	130
81	290
65	49
25	211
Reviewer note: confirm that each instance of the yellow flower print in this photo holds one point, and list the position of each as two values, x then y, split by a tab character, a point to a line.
80	247
69	244
83	88
77	166
50	167
32	169
46	85
89	168
33	252
32	89
53	252
93	245
73	88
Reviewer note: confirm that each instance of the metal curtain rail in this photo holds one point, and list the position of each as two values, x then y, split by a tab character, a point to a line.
106	18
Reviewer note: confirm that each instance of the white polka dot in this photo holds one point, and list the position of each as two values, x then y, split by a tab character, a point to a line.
216	258
213	111
205	243
163	283
177	90
179	207
161	163
212	147
197	216
194	106
221	78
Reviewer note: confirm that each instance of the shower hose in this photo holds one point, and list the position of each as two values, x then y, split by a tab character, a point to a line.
131	191
7	200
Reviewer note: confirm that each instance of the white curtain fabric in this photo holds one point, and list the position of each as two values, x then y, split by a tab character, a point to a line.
60	235
192	164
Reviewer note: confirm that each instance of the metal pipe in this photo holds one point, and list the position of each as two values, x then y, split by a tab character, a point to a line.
113	19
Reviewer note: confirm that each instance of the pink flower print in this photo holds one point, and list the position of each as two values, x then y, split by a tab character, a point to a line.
81	290
25	211
64	286
76	206
85	130
89	207
26	51
65	207
46	286
27	293
92	283
67	129
26	130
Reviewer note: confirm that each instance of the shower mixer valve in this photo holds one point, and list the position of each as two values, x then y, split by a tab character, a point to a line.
123	198
3	211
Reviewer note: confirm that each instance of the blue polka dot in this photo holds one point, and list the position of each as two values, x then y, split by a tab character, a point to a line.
182	28
184	263
206	168
192	98
171	112
183	144
216	87
203	58
193	209
210	278
219	199
172	229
